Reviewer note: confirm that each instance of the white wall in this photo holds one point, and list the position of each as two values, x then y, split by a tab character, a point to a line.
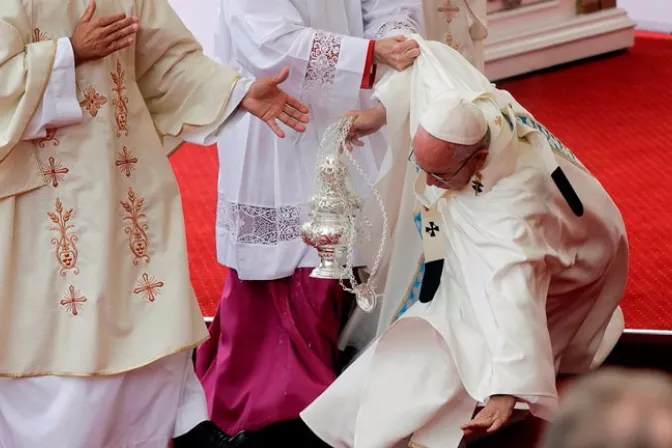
650	15
200	16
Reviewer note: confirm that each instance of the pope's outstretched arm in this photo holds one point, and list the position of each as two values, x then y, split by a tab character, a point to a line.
188	95
500	247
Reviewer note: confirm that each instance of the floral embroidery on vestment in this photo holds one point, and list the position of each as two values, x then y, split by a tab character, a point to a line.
136	227
93	101
49	138
65	243
120	103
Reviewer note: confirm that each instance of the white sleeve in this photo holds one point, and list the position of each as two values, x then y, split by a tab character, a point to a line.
59	106
501	249
208	135
387	18
271	36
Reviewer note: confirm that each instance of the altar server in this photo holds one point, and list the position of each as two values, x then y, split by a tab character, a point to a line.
274	337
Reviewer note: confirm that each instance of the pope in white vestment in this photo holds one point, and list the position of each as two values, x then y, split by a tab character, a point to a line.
528	290
97	314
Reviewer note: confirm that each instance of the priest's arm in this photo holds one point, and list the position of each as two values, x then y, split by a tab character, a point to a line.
500	244
189	96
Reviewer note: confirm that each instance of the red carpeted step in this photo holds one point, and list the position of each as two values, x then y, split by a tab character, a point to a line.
615	113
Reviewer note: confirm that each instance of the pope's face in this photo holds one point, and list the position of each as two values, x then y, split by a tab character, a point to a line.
448	165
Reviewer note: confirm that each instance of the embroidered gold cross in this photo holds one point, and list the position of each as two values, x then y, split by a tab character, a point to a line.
448	10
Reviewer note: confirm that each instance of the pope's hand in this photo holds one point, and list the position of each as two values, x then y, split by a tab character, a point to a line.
496	413
396	52
97	38
266	101
366	123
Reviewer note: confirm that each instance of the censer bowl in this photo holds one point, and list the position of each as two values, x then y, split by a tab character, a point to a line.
329	235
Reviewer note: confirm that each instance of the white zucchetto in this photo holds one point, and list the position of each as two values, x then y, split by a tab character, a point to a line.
452	119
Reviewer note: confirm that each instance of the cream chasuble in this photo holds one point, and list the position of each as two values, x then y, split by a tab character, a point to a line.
460	24
93	273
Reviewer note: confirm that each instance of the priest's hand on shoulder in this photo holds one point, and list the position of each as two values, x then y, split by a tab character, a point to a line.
396	52
366	122
96	38
266	101
493	417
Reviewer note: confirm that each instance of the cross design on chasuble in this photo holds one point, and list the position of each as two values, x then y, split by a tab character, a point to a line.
148	288
54	172
448	10
432	229
126	161
39	35
73	301
93	101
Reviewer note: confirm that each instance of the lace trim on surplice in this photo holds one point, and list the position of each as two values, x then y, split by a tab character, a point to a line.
388	27
324	55
259	225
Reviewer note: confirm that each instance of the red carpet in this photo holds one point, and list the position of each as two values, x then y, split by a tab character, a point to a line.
615	113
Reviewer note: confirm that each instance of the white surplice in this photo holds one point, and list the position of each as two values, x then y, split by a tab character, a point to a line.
265	184
143	408
528	289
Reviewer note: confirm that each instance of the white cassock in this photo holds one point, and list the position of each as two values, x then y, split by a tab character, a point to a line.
70	376
265	184
528	289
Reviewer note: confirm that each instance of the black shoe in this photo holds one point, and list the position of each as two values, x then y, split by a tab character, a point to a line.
246	439
294	433
204	435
